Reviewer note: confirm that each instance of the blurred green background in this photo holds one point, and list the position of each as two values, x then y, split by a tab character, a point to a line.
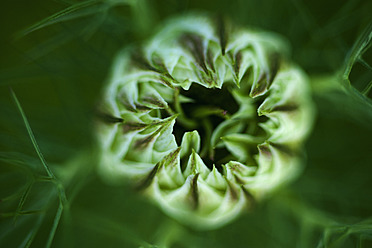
56	55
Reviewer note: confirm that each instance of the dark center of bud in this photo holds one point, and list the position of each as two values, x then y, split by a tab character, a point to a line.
208	108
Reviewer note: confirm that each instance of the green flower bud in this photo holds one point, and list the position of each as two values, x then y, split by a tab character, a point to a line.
205	118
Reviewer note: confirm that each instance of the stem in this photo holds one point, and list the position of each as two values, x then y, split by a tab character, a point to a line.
182	118
207	125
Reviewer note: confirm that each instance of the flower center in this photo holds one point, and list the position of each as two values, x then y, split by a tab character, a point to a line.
215	113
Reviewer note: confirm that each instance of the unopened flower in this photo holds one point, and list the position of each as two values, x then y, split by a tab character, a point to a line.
205	118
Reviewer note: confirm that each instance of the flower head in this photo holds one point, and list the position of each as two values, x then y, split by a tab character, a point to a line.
205	118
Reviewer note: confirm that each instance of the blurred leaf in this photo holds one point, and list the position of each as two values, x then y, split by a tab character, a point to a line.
88	7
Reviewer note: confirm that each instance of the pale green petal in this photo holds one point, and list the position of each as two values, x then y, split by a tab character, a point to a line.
195	165
190	142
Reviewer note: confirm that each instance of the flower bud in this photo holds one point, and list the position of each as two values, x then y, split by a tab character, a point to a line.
210	118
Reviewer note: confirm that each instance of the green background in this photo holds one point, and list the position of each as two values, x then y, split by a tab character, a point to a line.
57	64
